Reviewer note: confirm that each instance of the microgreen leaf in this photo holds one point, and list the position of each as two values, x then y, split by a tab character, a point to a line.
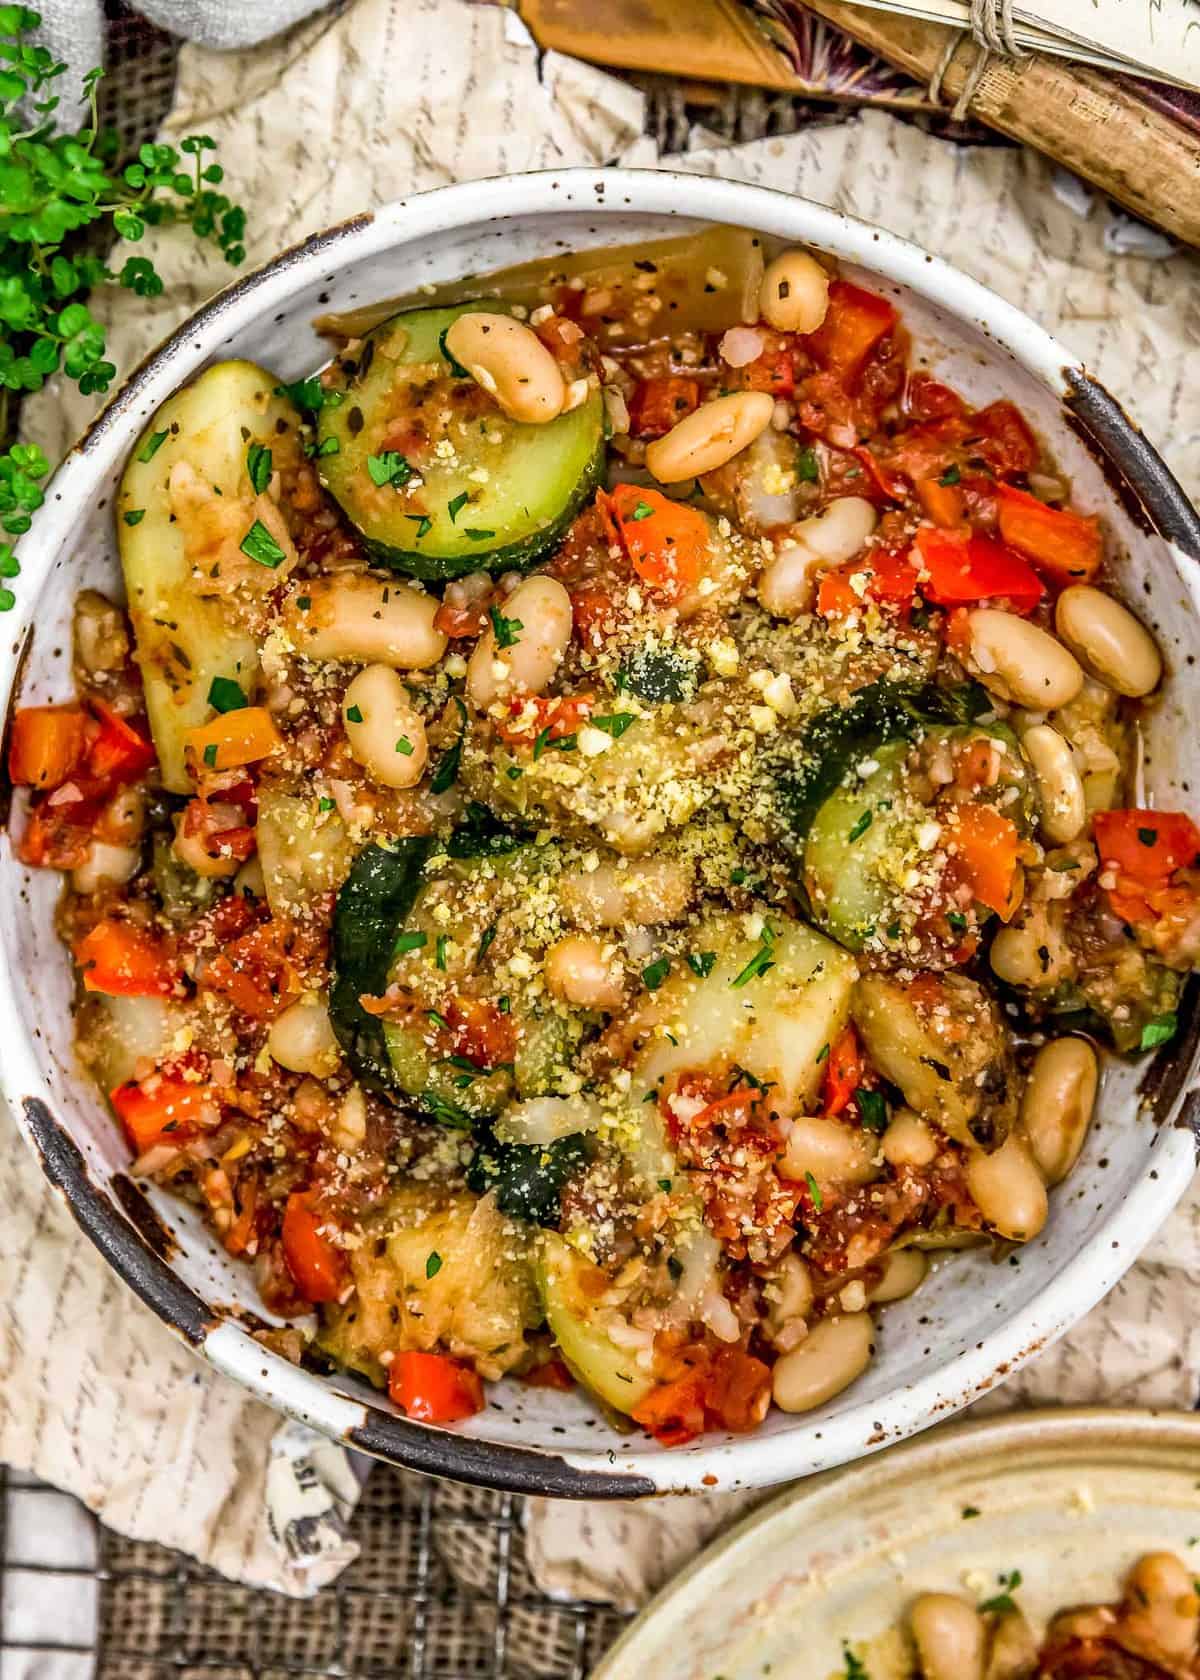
258	544
151	447
872	1110
504	629
1158	1031
615	723
224	695
389	468
259	466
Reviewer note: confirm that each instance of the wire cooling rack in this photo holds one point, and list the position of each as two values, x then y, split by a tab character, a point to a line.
80	1603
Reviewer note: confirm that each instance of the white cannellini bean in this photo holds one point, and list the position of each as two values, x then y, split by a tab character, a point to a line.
1007	1188
1162	1609
539	615
831	1152
908	1141
1032	951
364	620
582	971
191	850
950	1637
712	435
794	296
643	891
903	1272
793	1288
1017	661
1057	1104
788	584
1108	640
105	866
510	362
831	1356
302	1040
384	731
841	531
1058	782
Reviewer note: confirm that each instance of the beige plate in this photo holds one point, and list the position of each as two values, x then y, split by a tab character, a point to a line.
1070	1498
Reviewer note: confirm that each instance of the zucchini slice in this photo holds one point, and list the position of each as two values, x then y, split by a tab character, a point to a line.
378	894
184	640
608	1370
469	489
849	841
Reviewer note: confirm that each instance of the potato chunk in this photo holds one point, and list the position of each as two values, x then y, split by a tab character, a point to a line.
475	1300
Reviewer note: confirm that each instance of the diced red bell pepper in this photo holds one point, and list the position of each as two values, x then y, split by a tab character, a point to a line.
433	1388
658	404
959	569
774	372
891	582
551	1373
843	1073
674	1411
165	1108
738	1391
455	622
666	541
317	1266
1145	849
480	1032
1148	846
1003	440
926	398
1068	546
855	323
530	718
254	972
57	836
984	848
882	487
123	960
48	745
119	753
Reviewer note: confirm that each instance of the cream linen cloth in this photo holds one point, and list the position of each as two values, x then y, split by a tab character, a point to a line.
94	1394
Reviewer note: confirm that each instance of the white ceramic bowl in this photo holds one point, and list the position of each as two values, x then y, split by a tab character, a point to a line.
973	1322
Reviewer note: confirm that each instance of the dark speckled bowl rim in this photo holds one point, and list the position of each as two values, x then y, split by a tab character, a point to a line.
1136	475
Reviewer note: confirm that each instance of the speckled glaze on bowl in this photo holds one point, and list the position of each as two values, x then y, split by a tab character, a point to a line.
973	1322
1068	1498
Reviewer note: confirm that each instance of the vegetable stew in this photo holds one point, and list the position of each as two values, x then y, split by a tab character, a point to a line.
603	836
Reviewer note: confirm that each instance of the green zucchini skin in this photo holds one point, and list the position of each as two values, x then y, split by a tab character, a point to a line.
378	894
537	477
881	712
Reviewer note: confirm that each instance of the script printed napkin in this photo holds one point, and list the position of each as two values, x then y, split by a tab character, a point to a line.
94	1394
